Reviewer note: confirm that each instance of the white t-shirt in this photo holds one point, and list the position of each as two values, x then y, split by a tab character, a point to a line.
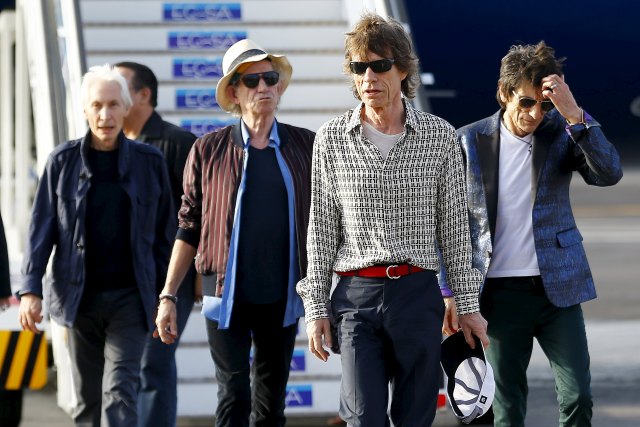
514	252
381	140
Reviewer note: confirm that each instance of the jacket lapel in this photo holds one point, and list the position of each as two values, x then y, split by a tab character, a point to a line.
283	135
542	138
488	149
236	136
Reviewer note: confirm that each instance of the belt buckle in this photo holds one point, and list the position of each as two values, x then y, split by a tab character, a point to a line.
389	275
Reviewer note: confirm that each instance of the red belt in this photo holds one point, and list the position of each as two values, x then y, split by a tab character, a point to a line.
394	271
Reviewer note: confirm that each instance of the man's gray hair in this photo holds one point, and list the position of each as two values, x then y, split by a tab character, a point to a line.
105	73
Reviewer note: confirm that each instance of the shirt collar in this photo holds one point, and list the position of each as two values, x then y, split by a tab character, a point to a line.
411	119
273	135
123	152
152	128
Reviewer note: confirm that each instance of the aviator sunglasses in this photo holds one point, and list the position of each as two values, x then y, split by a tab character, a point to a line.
526	103
379	66
252	80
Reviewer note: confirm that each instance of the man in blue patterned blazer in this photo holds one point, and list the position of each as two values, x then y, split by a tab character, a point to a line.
519	164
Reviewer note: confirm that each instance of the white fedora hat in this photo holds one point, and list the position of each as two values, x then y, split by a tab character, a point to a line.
240	53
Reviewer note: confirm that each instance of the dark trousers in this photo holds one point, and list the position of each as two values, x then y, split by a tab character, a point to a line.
10	407
158	397
389	332
105	346
518	310
238	404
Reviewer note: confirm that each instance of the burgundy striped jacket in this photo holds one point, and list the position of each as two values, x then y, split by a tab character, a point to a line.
212	177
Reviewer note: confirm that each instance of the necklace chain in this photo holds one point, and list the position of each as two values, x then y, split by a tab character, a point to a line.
530	144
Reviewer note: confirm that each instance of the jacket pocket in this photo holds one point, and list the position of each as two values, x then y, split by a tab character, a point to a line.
66	211
147	212
569	237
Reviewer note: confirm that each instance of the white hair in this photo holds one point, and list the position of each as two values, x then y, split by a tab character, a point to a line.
106	73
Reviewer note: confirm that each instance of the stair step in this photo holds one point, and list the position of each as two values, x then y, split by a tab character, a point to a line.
287	39
194	67
196	362
204	123
220	13
299	96
303	397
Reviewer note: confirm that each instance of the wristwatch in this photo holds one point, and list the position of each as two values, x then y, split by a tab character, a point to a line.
170	297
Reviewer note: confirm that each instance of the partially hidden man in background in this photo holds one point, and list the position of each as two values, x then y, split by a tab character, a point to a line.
519	164
244	218
158	397
104	203
10	400
387	187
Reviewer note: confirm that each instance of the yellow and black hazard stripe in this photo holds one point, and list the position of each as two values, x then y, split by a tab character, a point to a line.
23	360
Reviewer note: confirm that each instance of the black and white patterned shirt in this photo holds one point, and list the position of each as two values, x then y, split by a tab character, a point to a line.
368	210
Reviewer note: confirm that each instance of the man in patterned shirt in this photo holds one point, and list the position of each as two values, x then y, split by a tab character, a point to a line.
387	188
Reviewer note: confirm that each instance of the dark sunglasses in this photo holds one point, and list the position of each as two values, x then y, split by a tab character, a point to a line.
379	66
526	102
252	80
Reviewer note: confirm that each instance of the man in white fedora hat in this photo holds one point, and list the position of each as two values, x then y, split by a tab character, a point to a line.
244	217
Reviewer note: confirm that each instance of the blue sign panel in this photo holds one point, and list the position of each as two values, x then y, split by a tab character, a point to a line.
299	395
197	68
212	40
201	12
196	99
298	362
203	126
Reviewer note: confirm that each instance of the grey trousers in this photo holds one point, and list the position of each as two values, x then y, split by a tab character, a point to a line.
106	344
389	332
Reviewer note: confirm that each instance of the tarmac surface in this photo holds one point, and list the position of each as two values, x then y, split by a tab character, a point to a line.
609	220
615	371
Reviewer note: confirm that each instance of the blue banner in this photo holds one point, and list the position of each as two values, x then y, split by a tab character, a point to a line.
211	40
298	362
196	99
197	68
201	12
199	127
299	395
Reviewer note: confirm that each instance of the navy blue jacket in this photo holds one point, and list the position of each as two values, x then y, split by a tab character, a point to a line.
58	219
561	257
5	283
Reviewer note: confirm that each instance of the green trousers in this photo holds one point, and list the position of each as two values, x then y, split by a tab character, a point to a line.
518	310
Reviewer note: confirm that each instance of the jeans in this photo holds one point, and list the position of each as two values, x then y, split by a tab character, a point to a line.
260	401
158	397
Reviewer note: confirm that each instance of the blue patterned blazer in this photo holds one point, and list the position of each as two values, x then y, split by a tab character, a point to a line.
562	260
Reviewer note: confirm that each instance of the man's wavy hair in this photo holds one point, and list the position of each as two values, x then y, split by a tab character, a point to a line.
105	73
526	64
388	39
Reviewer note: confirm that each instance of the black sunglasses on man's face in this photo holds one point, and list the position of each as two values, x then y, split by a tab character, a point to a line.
252	80
378	66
